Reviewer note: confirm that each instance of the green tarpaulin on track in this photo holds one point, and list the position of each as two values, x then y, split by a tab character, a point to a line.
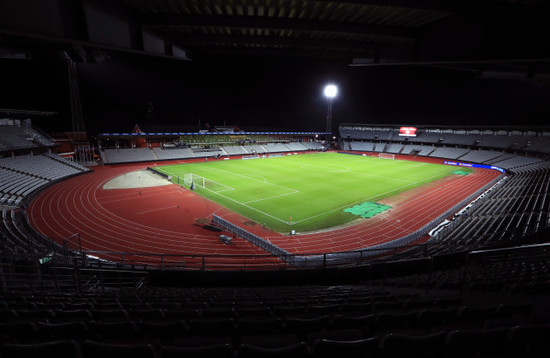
460	172
367	209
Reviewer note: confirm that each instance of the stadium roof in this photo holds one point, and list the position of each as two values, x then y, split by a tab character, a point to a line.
171	134
24	113
462	33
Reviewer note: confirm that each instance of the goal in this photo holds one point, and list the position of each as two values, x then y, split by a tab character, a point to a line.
191	178
386	156
202	182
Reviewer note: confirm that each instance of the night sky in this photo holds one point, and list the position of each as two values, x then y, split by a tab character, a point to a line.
259	93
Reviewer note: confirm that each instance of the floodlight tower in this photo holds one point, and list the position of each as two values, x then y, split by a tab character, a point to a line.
330	92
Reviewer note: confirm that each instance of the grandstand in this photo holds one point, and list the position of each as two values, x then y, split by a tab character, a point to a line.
372	300
74	304
200	145
123	257
18	135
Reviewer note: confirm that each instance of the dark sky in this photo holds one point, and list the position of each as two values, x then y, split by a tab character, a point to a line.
264	93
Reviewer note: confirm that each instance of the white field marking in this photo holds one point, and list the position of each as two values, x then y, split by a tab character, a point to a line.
271	197
215	182
159	209
261	181
325	167
418	165
293	191
223	190
358	201
248	206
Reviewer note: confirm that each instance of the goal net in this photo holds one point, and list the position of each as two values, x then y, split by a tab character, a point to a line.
198	182
191	178
386	156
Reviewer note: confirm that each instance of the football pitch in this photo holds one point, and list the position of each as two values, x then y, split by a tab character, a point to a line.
305	192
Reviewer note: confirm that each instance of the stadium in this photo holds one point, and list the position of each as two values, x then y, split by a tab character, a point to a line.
316	234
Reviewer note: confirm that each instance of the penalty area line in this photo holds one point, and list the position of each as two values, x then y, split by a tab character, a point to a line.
271	197
248	206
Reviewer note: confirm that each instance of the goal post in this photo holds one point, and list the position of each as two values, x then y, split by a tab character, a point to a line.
195	179
386	156
201	182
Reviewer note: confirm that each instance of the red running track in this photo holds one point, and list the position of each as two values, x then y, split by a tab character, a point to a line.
162	219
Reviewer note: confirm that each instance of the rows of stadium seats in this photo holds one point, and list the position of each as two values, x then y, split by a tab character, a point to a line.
281	321
16	238
39	166
448	152
480	156
14	137
483	139
521	270
21	175
422	150
236	150
520	207
127	155
493	157
14	186
208	152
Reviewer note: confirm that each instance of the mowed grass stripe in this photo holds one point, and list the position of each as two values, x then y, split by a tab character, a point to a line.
313	189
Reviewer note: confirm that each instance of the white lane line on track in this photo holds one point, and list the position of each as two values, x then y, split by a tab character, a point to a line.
46	223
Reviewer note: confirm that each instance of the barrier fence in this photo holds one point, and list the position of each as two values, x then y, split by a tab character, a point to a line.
254	239
25	271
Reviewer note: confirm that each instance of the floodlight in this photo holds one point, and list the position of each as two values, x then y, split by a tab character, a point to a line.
331	91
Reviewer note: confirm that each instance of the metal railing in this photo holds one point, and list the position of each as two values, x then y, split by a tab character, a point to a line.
255	239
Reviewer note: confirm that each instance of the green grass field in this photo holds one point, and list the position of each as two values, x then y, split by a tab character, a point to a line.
304	192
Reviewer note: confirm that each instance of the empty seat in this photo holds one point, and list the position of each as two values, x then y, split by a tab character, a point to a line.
436	318
164	333
271	340
475	343
71	315
530	340
17	332
76	330
92	349
303	326
386	322
399	345
68	349
250	326
213	327
109	314
345	321
349	334
118	332
363	348
206	351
